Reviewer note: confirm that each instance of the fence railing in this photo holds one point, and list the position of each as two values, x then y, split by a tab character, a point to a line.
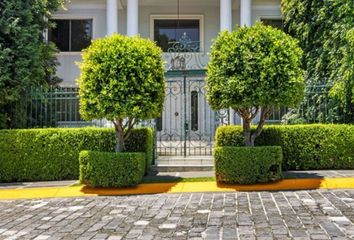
59	107
319	107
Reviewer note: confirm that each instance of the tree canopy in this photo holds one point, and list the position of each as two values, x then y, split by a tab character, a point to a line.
253	69
25	59
122	80
323	30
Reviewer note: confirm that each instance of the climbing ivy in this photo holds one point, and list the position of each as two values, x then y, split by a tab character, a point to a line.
323	29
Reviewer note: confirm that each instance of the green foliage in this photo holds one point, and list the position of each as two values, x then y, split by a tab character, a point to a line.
107	169
122	77
52	154
254	66
253	70
142	140
248	165
343	88
316	146
25	59
322	28
122	80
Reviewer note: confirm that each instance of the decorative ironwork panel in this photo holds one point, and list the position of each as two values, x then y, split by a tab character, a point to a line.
185	54
188	124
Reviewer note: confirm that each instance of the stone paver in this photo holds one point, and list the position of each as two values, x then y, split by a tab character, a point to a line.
299	215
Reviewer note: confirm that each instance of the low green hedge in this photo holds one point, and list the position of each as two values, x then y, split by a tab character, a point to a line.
110	169
248	165
315	146
142	140
52	154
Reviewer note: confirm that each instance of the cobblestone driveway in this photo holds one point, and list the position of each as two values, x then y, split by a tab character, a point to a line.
256	215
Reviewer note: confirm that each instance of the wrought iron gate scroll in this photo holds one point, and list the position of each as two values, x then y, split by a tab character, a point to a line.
187	125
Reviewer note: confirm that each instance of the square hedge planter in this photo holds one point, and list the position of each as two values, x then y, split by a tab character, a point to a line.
110	169
248	165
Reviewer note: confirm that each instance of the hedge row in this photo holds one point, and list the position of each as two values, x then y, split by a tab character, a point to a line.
317	146
246	165
109	169
53	154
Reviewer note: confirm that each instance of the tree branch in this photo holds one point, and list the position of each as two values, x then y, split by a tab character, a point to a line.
265	111
127	133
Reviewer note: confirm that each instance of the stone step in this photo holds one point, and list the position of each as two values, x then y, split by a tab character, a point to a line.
186	161
181	168
184	164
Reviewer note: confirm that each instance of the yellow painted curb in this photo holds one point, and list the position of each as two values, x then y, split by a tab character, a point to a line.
179	187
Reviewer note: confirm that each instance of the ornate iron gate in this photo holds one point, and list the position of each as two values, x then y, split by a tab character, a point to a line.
187	125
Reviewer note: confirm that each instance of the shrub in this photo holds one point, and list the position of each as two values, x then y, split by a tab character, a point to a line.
252	70
110	169
122	80
325	33
248	165
52	154
142	140
317	146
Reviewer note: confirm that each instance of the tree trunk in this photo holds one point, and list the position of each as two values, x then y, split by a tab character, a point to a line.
247	132
247	114
118	126
265	112
123	132
120	142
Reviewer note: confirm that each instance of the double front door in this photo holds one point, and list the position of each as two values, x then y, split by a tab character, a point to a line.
187	125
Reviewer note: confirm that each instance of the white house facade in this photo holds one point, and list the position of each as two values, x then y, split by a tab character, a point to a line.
185	30
202	19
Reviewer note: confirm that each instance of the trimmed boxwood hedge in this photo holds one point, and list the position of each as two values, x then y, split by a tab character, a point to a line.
53	154
313	146
142	140
110	169
247	165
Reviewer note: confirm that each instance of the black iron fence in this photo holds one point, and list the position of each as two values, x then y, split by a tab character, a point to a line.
59	107
319	107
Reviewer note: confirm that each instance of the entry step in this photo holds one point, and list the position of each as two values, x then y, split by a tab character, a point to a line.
185	161
183	164
181	168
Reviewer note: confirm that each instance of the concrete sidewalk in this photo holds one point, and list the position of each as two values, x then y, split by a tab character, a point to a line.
178	176
182	182
175	176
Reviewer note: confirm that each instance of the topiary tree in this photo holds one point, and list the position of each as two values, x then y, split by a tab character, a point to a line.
252	70
122	80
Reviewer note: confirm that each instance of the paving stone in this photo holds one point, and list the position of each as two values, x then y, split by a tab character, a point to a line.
339	219
42	237
141	223
299	215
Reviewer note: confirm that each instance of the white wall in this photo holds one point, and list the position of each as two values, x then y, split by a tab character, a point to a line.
96	9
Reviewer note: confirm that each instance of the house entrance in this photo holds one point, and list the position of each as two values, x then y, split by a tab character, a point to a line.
187	125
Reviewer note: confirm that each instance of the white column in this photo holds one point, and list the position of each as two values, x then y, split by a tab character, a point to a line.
132	17
226	15
112	16
226	24
246	19
246	12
